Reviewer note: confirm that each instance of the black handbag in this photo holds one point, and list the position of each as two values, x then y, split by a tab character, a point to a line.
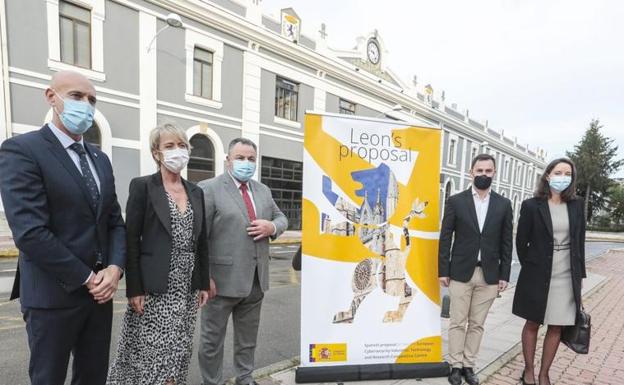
577	337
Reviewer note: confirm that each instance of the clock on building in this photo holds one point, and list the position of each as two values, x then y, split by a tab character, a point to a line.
373	52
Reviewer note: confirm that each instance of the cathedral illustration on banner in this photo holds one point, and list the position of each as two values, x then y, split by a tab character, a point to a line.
385	268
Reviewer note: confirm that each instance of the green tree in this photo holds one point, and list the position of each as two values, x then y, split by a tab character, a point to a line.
616	203
595	161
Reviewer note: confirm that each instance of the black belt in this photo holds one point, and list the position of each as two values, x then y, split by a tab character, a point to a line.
478	263
561	247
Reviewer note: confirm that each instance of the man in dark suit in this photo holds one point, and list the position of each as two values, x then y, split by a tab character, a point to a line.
60	202
478	224
241	216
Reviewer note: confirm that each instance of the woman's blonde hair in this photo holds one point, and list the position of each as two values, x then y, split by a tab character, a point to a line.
166	128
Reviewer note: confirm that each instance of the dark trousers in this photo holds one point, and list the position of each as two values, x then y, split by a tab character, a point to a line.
83	331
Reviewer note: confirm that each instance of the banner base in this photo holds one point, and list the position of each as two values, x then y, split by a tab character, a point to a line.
370	372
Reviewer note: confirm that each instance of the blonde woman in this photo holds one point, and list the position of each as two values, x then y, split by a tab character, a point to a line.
167	276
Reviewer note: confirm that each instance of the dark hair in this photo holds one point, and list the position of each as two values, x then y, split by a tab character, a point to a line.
481	157
543	187
244	141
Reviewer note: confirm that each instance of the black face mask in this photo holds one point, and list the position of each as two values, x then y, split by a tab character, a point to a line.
482	182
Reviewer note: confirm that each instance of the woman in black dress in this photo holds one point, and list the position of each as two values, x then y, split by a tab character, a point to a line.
551	248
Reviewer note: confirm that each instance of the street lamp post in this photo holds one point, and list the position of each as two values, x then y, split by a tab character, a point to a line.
173	20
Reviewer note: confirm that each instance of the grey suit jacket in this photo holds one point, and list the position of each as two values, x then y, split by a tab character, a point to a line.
234	255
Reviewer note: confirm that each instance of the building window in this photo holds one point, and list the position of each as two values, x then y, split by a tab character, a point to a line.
286	99
473	154
448	190
202	73
202	163
530	178
204	62
346	107
506	170
75	34
93	136
518	173
284	178
452	151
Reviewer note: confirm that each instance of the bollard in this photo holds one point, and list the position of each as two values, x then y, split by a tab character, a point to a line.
446	305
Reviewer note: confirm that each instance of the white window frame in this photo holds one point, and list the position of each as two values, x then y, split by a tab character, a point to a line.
518	174
195	39
529	181
219	148
284	121
506	169
340	100
475	148
97	8
452	137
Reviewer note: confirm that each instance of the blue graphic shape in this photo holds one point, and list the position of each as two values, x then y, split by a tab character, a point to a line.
374	181
331	196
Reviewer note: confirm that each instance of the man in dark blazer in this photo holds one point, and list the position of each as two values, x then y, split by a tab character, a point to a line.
59	197
474	262
241	216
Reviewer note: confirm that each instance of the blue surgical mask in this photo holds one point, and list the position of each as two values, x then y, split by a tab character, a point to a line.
243	170
560	182
77	116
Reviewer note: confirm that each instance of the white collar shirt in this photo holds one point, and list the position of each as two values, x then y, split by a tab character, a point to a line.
481	207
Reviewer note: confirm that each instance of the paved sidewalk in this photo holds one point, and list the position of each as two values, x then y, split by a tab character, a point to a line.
604	365
501	341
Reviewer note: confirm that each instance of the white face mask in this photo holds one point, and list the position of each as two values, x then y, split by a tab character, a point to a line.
175	160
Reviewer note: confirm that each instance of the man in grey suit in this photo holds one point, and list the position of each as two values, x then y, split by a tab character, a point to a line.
240	217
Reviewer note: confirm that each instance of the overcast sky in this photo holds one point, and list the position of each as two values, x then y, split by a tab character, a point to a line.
540	70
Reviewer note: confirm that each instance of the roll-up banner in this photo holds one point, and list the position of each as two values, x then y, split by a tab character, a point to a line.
370	298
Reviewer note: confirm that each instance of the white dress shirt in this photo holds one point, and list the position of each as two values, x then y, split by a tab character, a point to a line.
66	141
481	206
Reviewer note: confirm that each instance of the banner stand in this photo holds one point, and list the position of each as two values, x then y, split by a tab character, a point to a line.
370	294
370	372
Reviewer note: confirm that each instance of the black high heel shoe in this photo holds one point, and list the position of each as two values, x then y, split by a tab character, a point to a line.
524	382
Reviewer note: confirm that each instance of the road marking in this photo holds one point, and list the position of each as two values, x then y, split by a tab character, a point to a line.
8	271
285	247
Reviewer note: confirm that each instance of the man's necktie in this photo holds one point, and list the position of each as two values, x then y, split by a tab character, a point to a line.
247	200
87	175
